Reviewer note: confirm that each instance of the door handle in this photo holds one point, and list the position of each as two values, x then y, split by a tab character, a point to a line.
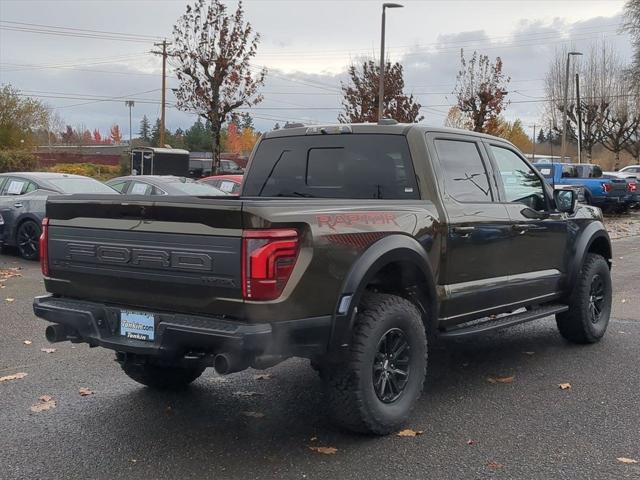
17	205
521	227
463	231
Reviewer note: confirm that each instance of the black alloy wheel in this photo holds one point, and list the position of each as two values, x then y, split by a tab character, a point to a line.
391	365
596	298
28	240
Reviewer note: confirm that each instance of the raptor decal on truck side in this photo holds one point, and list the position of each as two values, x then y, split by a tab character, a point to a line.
336	220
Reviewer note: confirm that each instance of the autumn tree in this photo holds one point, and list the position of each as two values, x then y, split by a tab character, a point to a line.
455	119
114	133
597	71
97	138
20	117
234	144
360	95
145	129
248	138
481	90
514	132
212	51
632	26
620	122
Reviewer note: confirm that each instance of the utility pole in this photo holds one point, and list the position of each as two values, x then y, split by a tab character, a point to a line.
565	106
130	104
381	79
164	88
533	155
579	111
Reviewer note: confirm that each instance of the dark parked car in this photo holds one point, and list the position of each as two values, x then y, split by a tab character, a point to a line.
22	203
227	183
162	185
354	246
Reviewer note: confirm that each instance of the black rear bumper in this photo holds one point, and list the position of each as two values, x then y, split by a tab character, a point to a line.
178	335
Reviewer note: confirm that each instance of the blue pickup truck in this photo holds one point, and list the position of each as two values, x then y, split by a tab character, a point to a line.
606	193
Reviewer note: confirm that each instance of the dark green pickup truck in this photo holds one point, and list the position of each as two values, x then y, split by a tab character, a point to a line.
355	246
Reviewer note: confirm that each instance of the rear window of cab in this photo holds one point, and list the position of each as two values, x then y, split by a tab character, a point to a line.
362	166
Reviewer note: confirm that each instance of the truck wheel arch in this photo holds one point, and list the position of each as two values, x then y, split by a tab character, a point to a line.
399	252
594	239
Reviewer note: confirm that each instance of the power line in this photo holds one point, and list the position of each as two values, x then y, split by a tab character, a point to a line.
153	37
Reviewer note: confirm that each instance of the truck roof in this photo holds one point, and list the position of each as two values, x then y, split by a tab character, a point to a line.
386	129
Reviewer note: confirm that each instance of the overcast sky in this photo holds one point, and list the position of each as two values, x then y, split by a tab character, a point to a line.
306	45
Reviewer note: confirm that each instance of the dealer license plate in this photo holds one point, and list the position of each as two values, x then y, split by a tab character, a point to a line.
137	325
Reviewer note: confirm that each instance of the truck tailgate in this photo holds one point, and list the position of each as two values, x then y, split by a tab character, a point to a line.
172	253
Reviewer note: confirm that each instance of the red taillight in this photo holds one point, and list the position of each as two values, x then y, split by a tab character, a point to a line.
44	247
268	258
606	187
632	186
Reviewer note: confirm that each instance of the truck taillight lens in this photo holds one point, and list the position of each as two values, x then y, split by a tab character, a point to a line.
606	187
268	258
44	247
632	186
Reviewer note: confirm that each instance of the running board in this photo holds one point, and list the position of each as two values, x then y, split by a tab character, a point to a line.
474	327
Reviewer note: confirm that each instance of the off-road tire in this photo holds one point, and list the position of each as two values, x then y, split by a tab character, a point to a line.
161	377
352	400
577	325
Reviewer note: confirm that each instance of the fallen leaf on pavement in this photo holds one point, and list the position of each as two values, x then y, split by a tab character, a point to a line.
494	465
253	414
169	411
84	392
626	460
624	300
15	376
9	300
409	433
262	376
3	286
313	439
48	350
46	403
565	386
324	450
472	442
27	342
495	380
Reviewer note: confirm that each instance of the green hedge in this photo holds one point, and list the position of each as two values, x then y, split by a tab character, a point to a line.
17	161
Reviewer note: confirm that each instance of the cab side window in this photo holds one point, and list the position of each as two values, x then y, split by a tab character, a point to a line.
521	183
465	176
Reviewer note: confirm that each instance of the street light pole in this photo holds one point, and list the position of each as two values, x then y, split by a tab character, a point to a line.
381	79
564	108
579	112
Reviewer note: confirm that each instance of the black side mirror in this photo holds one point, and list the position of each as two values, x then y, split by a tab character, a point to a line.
566	200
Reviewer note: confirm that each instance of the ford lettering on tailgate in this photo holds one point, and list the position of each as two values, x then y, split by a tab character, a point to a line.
138	256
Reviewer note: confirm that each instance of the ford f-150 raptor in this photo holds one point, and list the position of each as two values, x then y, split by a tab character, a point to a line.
355	246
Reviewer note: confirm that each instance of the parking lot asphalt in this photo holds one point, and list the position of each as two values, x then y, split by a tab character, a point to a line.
243	427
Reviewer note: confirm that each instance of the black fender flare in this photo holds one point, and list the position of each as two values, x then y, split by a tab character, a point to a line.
390	249
594	231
